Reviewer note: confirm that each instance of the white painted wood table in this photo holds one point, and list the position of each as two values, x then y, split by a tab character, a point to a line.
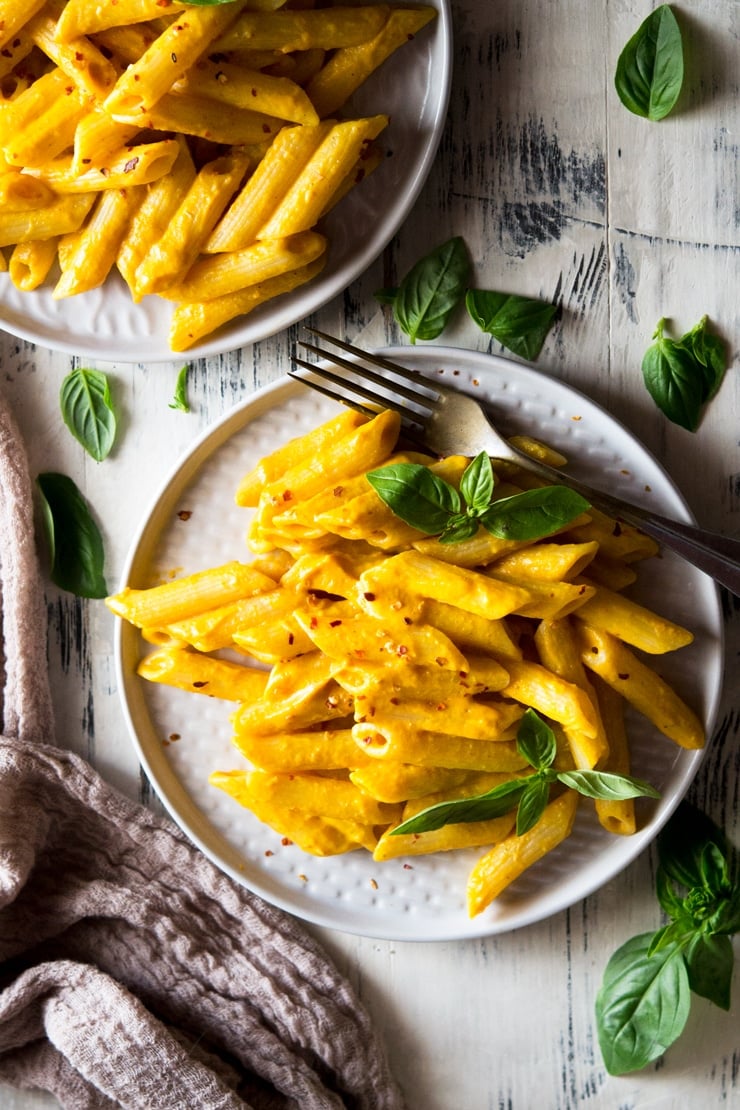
559	193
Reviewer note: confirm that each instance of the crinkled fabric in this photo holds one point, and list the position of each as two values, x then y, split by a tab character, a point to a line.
134	973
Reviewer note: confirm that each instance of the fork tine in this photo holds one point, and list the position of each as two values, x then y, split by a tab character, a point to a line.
331	394
377	360
379	379
348	385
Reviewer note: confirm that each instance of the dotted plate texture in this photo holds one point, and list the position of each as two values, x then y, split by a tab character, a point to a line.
421	898
412	87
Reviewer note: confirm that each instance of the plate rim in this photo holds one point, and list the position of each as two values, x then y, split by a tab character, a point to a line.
228	859
324	287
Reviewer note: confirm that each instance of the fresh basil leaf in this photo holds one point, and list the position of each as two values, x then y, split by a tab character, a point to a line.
709	352
180	399
87	410
536	741
386	296
476	484
607	785
416	495
534	513
710	961
642	1004
431	290
675	932
458	528
532	804
669	900
649	72
518	323
75	540
681	375
481	807
681	846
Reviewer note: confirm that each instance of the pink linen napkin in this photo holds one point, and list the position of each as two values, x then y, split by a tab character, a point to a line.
133	973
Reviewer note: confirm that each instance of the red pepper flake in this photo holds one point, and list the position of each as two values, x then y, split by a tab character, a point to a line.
407	620
338	491
409	866
369	596
624	677
395	701
291	638
359	652
86	161
286	842
173	55
402	649
185	514
441	661
314	622
79	56
287	495
173	736
254	92
137	77
131	165
69	89
617	530
199	685
269	851
441	707
266	128
334	624
104	171
595	650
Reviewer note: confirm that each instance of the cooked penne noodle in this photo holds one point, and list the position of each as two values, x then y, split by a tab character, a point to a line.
90	254
30	263
616	815
640	686
202	674
510	858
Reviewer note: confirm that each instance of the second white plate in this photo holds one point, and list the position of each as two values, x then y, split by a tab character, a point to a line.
194	523
412	87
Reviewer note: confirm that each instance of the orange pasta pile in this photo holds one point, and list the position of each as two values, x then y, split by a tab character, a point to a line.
193	148
380	671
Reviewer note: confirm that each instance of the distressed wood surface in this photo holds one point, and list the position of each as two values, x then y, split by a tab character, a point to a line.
559	193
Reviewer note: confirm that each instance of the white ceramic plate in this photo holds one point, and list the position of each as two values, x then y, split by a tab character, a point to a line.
421	898
412	87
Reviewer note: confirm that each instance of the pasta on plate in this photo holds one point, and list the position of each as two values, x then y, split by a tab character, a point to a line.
193	148
379	671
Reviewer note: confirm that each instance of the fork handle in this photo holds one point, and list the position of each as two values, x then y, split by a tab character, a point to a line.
715	555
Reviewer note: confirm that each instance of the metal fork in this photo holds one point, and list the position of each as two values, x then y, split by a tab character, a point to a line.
447	421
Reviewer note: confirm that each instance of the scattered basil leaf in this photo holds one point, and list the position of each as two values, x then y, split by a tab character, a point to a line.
518	323
682	375
642	1005
536	741
533	513
606	785
650	69
698	887
416	495
180	399
75	543
87	410
710	961
431	290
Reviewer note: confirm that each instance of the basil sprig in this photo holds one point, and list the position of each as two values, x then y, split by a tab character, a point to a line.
433	288
530	793
649	72
87	410
682	375
645	996
74	540
433	506
180	398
